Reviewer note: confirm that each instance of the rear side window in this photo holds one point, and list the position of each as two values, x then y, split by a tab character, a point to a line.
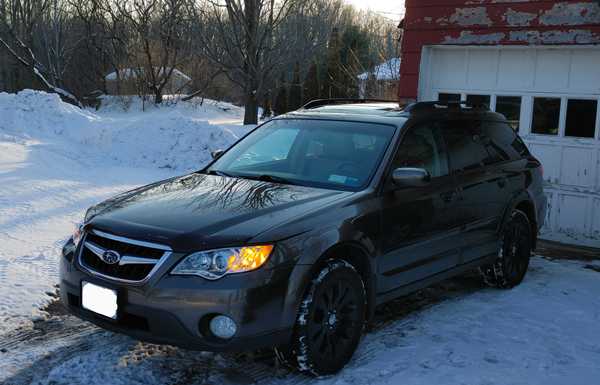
501	139
465	146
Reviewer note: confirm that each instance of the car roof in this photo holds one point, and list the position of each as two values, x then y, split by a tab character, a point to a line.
383	113
389	112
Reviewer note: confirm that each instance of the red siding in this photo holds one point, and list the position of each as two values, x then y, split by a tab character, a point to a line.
491	22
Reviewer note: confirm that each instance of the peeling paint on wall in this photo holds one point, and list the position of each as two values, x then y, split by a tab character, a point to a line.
468	37
572	14
519	19
573	36
467	17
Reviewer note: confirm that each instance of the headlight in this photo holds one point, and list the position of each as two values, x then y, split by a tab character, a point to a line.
77	233
215	264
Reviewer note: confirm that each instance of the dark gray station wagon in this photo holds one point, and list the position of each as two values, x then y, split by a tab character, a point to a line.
291	237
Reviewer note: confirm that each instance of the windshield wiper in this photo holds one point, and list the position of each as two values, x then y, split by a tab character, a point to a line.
220	173
269	178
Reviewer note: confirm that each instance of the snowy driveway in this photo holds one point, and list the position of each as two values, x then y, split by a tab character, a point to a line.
543	332
56	160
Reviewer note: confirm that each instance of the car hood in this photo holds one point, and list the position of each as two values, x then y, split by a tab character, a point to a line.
201	211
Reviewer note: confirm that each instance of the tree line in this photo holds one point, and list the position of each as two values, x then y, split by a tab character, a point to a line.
274	54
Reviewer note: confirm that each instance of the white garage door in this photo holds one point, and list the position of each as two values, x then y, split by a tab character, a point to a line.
550	95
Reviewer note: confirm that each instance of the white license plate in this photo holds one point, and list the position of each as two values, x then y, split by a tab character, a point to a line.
99	300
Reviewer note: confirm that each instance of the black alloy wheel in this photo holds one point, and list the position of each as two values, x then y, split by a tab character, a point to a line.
331	320
514	254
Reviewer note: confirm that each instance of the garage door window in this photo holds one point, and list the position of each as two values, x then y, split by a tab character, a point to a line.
581	118
478	99
449	97
546	115
510	107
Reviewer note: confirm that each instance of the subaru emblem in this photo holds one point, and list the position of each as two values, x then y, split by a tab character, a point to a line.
111	257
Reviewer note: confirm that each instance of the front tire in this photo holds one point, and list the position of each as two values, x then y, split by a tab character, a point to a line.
514	254
331	320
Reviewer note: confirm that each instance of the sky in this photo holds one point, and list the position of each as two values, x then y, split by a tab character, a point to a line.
389	8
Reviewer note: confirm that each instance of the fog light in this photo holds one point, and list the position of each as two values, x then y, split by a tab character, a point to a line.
223	327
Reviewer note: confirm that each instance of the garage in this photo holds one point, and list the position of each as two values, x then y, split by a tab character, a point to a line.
536	62
550	96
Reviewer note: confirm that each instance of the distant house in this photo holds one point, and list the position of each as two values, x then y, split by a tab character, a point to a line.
127	82
381	82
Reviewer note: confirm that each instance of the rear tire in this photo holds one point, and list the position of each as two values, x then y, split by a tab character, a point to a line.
331	320
510	267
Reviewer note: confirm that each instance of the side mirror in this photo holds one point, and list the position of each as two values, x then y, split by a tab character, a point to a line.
411	177
217	154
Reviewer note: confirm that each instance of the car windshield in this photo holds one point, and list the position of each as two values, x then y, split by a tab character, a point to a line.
320	153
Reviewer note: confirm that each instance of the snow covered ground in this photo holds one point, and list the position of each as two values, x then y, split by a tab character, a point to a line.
56	160
543	332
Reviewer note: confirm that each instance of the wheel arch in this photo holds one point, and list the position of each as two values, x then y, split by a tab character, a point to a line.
359	257
524	203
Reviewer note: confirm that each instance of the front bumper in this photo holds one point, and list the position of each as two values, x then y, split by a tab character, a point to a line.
175	310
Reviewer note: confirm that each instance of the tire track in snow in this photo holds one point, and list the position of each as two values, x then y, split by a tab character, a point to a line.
440	334
63	339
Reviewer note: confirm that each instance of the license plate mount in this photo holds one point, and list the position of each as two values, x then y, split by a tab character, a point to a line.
99	300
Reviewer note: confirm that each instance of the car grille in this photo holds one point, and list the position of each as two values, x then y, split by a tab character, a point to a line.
147	257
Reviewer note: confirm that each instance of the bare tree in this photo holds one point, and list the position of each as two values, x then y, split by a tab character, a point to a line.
17	38
157	40
240	37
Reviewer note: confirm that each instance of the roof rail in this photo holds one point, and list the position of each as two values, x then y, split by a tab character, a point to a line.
462	105
327	102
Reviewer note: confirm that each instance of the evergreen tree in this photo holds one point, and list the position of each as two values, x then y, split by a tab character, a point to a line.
295	97
281	100
354	52
312	84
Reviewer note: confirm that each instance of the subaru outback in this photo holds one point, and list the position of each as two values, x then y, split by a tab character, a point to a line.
290	238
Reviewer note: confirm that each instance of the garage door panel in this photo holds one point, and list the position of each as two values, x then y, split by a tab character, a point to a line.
596	219
585	71
549	220
572	214
598	173
455	59
482	69
516	69
547	154
571	164
552	66
577	167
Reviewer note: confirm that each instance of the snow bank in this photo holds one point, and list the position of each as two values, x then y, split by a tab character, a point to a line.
56	160
34	114
178	135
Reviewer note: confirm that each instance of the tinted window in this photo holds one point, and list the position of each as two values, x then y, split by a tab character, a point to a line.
464	144
422	147
331	154
546	114
581	118
510	107
501	141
